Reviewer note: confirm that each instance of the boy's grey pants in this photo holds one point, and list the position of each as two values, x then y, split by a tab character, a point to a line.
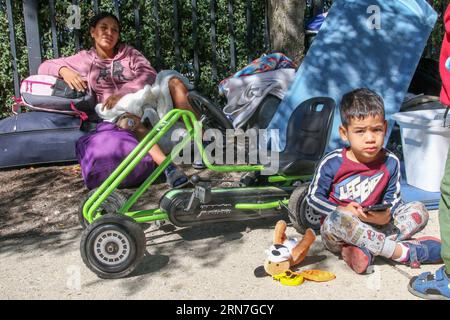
341	228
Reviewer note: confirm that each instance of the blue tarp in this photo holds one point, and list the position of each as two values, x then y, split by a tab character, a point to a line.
363	43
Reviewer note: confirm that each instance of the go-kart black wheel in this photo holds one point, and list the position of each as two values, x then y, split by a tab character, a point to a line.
302	216
113	246
214	116
112	204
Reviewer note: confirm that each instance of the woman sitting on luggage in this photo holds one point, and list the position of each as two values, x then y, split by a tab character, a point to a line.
110	70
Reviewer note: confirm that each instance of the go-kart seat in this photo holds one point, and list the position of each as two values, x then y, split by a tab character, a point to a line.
308	131
264	114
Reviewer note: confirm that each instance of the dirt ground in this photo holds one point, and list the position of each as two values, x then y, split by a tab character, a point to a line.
40	239
37	201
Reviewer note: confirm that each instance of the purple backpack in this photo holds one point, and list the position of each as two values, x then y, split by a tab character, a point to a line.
100	153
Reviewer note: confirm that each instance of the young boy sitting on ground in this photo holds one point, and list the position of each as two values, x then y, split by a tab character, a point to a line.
364	174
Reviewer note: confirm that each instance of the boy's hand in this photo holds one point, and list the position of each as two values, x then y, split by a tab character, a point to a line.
355	209
380	218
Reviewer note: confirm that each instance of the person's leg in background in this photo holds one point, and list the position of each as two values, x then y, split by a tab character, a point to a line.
179	94
444	216
437	286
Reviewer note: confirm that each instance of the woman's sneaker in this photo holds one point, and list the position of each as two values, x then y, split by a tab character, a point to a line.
423	250
359	259
198	164
175	177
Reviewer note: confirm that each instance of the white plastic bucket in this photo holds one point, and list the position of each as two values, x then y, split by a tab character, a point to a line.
425	146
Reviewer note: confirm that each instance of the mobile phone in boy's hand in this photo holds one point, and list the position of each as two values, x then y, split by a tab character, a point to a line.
377	207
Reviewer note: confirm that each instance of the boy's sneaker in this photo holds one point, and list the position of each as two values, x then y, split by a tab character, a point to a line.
423	250
359	259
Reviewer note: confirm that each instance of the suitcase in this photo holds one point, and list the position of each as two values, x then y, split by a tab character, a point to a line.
33	138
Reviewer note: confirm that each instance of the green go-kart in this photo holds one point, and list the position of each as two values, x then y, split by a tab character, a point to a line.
113	243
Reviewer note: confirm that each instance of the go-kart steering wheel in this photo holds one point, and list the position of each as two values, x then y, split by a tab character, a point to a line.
213	116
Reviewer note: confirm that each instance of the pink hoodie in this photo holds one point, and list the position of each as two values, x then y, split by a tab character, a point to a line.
130	71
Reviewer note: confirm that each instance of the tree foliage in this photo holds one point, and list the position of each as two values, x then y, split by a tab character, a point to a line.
435	41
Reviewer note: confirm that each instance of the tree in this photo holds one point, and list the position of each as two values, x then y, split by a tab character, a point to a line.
286	27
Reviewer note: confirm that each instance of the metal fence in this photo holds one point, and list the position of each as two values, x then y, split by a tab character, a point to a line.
34	40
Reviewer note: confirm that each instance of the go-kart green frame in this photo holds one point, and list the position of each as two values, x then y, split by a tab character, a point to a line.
113	243
194	129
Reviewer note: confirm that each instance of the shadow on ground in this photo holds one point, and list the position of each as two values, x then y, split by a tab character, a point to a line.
38	206
204	244
42	203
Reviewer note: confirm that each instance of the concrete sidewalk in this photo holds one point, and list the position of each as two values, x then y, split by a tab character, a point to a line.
211	262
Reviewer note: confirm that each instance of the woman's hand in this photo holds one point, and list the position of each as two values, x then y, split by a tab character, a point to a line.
73	79
111	101
380	218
